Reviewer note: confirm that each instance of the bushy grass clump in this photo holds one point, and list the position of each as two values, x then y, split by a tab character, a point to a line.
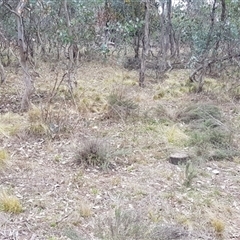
218	225
93	153
11	124
37	126
209	133
9	203
120	106
85	210
176	136
123	225
38	129
200	115
158	114
34	115
132	225
3	157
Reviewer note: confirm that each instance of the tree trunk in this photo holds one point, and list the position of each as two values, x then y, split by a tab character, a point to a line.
23	57
70	48
2	73
170	29
145	45
164	45
136	44
210	32
223	18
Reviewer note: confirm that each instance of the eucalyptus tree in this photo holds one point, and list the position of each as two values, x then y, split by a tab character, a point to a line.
145	44
48	30
206	34
18	11
202	35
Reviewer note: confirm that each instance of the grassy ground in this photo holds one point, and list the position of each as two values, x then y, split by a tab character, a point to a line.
93	164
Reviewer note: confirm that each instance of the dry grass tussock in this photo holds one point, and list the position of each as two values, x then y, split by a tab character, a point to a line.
209	132
4	156
94	152
60	147
9	203
11	124
120	106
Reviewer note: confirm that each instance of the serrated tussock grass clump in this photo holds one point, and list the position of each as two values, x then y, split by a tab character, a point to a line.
11	124
120	106
9	203
129	224
71	234
158	114
37	127
208	131
90	102
214	143
190	174
34	115
123	225
235	92
218	225
168	232
3	157
93	153
206	114
176	135
85	210
216	137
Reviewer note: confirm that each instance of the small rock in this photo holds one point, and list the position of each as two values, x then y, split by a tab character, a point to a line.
215	171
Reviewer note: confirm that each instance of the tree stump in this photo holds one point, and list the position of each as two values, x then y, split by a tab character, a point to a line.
178	158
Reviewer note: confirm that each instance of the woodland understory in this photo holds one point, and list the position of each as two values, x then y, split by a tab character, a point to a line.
119	120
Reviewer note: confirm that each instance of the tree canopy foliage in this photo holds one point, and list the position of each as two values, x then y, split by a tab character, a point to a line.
201	35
